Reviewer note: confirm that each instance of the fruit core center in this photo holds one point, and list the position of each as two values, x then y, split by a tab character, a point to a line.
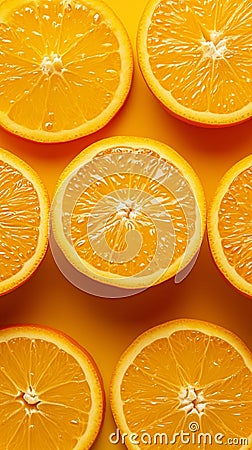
192	400
52	64
30	397
127	211
213	45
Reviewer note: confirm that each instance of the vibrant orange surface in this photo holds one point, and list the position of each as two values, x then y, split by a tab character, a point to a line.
179	372
51	51
229	220
24	221
195	58
115	230
245	203
106	327
50	391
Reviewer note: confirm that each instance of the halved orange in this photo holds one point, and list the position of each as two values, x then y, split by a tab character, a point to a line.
195	57
51	391
65	67
24	221
184	376
129	212
230	225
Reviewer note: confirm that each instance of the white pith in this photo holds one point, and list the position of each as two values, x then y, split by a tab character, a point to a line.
192	400
52	64
214	46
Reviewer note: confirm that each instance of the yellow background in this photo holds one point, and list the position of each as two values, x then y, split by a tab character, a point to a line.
105	327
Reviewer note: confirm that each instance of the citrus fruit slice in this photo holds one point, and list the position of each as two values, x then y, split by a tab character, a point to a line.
129	212
65	67
51	391
230	225
195	57
24	221
185	376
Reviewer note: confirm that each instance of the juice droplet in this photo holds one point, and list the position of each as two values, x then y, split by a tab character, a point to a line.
48	126
75	422
96	18
68	7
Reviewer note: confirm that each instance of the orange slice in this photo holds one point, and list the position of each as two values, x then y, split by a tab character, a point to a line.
65	67
51	391
195	57
185	376
24	214
129	212
230	225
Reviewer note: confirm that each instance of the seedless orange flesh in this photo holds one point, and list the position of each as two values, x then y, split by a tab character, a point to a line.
195	57
129	212
184	376
230	225
51	391
65	67
24	221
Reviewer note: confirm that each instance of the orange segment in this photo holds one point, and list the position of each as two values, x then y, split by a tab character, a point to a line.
229	225
182	375
65	67
23	221
131	212
51	391
195	57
